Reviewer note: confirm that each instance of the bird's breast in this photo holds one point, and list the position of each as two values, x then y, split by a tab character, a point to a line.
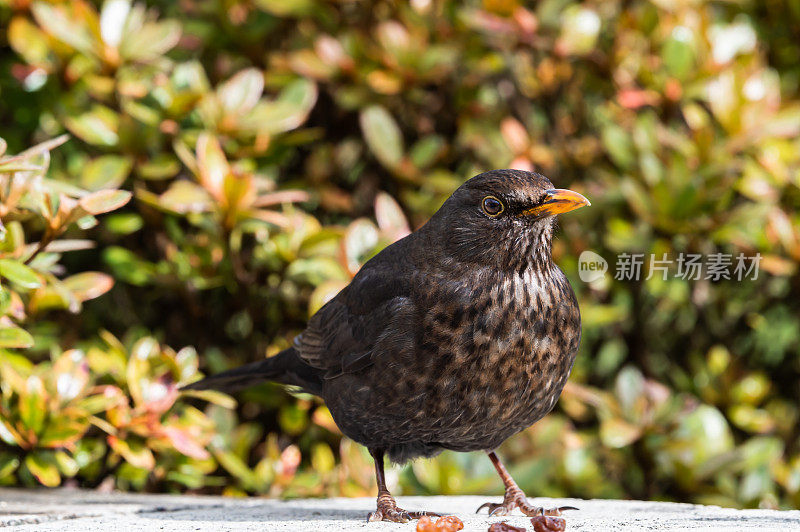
502	354
489	356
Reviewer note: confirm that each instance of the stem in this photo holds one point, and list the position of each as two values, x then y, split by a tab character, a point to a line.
48	237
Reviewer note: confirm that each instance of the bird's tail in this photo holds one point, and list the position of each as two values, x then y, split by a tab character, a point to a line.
285	368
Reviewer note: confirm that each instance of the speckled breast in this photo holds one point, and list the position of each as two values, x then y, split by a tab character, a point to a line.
509	362
490	359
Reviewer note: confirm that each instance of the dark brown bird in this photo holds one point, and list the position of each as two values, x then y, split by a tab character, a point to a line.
456	337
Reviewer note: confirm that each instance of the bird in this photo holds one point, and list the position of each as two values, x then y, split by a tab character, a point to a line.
456	337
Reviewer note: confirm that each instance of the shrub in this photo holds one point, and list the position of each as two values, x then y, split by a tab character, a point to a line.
259	140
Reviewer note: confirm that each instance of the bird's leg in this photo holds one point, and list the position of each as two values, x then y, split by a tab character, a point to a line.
387	507
514	497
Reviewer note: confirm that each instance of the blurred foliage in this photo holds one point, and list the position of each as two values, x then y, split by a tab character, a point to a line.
270	148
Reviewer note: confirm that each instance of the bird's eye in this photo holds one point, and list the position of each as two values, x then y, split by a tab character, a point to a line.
492	206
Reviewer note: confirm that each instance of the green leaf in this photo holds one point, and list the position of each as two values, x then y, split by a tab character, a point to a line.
127	266
360	239
292	419
161	166
123	223
8	464
187	362
630	389
282	8
99	127
63	431
113	17
110	396
134	453
317	270
213	397
236	467
701	435
323	293
6	167
42	465
29	42
761	451
65	25
152	41
425	151
5	300
66	464
104	201
9	435
382	135
86	222
14	368
88	285
33	404
390	217
679	53
241	93
15	338
184	197
18	273
108	171
618	433
287	112
70	375
63	246
618	144
212	165
322	458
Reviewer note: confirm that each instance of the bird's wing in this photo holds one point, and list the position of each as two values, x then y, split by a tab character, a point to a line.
375	313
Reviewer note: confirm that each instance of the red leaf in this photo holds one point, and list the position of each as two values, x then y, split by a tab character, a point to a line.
183	443
635	98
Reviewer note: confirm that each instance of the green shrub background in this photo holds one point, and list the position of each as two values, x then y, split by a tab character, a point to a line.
231	163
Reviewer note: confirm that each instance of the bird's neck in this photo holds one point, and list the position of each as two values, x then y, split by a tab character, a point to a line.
510	253
535	254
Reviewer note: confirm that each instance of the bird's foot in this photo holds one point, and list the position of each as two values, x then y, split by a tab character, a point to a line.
514	498
388	511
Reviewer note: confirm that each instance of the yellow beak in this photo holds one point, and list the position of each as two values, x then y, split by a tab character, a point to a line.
558	201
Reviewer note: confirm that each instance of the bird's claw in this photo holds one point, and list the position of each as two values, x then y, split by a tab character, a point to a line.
390	512
494	508
514	499
395	516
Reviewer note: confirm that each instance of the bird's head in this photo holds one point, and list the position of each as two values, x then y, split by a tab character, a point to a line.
504	218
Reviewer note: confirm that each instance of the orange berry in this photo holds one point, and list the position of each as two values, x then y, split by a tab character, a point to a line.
425	524
543	523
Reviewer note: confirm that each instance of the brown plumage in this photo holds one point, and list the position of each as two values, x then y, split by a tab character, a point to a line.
456	337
